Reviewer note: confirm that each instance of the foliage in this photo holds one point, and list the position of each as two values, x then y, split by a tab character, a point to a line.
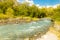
12	8
3	16
9	12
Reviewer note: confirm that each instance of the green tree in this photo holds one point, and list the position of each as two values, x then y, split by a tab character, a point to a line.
33	11
21	10
56	15
50	12
42	13
1	11
10	12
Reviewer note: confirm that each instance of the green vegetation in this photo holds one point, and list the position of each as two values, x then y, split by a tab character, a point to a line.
12	9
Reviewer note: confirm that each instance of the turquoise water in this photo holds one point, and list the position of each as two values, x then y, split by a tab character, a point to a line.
26	29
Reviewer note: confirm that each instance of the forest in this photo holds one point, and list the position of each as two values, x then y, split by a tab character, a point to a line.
13	9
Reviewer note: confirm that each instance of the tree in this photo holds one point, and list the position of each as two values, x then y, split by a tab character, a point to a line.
21	10
9	12
42	13
33	11
50	12
56	15
1	11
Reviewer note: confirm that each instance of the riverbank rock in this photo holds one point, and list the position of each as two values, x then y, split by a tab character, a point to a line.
17	20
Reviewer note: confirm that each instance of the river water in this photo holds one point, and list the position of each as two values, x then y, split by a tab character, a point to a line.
13	31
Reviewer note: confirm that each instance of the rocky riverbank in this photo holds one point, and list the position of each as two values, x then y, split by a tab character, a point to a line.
53	33
16	20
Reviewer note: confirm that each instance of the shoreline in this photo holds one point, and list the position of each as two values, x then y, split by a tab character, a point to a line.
16	20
